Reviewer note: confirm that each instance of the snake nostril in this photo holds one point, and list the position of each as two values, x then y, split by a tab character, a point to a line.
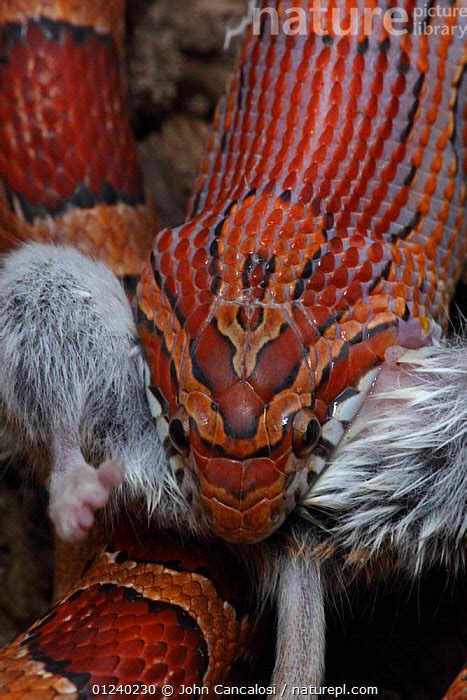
179	431
306	432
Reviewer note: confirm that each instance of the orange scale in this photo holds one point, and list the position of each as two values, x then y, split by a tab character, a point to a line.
290	181
297	163
131	646
275	218
360	150
309	298
379	302
361	313
444	212
285	276
336	245
342	190
438	233
186	230
187	291
131	669
288	231
400	200
104	649
297	212
352	171
407	276
205	296
389	172
167	617
234	237
320	153
107	635
178	678
431	296
200	259
85	636
316	282
340	278
278	295
353	293
175	634
88	662
396	255
260	207
123	634
399	307
376	151
184	271
106	665
449	190
240	216
332	169
253	226
311	173
165	264
268	235
154	651
293	258
345	221
357	240
123	621
156	673
68	650
319	315
336	93
348	132
365	273
164	240
280	248
182	249
365	129
341	151
232	276
424	205
328	297
202	279
299	243
201	239
399	290
327	263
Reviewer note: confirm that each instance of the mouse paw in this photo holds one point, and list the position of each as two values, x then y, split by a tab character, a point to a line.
76	494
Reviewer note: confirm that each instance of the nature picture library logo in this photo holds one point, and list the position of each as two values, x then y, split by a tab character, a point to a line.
321	19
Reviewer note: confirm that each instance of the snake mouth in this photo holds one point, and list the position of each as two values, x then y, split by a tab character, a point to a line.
243	500
248	527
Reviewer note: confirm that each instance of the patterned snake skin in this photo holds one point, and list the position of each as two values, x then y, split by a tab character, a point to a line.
325	229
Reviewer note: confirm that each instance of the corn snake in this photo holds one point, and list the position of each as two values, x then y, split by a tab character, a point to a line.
357	332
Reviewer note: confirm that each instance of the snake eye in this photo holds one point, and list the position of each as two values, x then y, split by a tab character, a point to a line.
306	432
179	431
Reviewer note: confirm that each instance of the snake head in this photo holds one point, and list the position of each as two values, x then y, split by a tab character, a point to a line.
247	458
237	403
253	376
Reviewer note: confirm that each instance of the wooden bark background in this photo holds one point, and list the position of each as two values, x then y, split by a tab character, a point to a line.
408	641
